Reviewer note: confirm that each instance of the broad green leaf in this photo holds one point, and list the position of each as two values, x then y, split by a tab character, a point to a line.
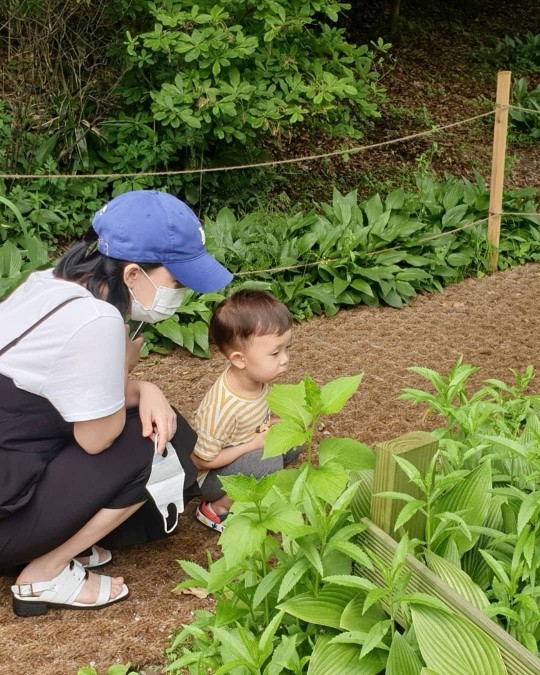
395	199
350	581
454	216
470	499
356	618
243	488
453	645
361	503
328	481
170	328
336	393
373	208
324	609
341	659
363	286
348	452
288	401
282	437
281	516
457	579
241	539
10	260
402	659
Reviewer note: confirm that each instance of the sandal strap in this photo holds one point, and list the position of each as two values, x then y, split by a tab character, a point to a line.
62	589
104	590
93	558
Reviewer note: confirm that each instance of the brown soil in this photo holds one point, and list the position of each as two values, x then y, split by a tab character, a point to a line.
491	322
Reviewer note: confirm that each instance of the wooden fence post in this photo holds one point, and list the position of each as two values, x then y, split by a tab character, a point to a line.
500	129
417	447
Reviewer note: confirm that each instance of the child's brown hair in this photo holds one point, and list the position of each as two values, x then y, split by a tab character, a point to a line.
247	314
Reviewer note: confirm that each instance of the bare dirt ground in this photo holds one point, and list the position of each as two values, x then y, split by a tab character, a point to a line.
491	322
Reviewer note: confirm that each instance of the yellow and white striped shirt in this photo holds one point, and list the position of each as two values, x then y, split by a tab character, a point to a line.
225	417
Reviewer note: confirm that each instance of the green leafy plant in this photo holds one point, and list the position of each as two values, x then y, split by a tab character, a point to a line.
19	255
525	122
286	597
208	83
519	53
483	492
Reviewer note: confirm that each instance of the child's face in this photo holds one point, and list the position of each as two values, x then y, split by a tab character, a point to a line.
266	357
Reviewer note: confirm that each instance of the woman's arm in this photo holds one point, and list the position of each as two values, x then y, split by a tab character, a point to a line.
97	435
157	416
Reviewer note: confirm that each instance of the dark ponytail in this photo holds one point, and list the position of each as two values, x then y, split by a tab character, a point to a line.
101	275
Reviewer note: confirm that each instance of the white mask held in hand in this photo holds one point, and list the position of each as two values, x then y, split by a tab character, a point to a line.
166	302
166	484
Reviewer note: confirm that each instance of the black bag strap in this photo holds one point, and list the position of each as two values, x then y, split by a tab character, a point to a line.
36	324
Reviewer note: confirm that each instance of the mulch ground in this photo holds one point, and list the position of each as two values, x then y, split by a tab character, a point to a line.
491	322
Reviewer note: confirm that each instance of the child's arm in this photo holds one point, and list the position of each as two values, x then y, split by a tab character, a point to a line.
230	453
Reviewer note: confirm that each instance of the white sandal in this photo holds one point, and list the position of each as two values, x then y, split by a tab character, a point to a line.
93	559
33	599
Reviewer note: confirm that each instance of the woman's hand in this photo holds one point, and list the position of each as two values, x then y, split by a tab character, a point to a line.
157	417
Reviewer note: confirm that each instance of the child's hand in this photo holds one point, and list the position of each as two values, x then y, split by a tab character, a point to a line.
273	419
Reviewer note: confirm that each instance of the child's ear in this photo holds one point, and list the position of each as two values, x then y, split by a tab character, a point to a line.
237	360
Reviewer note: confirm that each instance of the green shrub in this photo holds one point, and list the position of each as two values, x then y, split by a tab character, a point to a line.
209	76
21	253
525	124
521	54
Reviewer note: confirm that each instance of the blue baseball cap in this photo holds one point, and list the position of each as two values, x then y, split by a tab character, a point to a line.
147	226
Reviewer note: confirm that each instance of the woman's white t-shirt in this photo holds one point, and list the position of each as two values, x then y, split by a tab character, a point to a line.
75	358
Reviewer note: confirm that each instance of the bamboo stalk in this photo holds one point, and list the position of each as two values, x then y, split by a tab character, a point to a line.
500	129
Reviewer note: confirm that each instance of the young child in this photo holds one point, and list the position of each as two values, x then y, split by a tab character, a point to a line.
253	330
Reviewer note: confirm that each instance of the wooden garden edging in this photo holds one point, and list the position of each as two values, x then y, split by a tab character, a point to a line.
418	448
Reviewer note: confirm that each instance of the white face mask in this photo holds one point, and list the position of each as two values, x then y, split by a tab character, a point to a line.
166	302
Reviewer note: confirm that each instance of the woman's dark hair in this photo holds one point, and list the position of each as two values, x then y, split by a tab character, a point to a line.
247	314
101	275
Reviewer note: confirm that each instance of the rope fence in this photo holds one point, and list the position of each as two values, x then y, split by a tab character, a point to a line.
260	165
257	165
501	106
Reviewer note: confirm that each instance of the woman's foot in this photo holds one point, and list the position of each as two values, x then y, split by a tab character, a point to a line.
89	592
